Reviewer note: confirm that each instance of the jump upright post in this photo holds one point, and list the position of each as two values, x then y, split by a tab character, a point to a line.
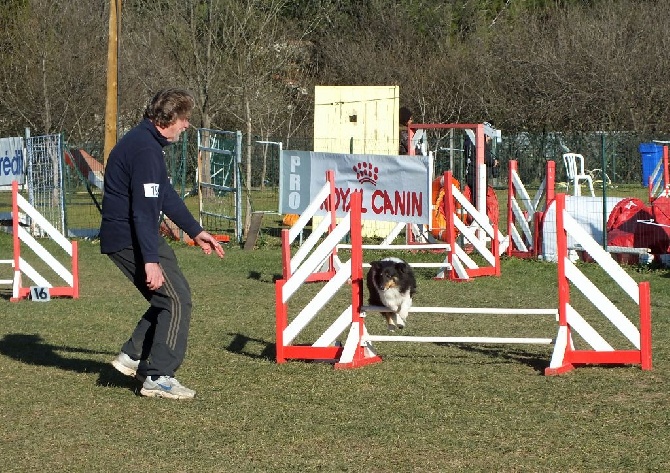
524	215
303	268
566	357
22	267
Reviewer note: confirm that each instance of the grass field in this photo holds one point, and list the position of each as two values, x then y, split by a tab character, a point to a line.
426	407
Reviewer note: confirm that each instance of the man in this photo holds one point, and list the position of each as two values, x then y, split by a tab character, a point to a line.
137	190
491	161
405	119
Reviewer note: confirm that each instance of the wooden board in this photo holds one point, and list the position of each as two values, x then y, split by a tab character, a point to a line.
254	230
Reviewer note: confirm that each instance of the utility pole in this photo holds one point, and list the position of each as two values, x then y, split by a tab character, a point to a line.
111	106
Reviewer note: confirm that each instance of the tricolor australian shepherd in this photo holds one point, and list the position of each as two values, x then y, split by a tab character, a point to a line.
391	283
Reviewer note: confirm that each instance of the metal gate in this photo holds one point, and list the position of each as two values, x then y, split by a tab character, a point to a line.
219	181
45	179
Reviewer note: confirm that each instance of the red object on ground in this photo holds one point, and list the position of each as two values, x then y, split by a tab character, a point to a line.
219	238
492	207
624	230
660	233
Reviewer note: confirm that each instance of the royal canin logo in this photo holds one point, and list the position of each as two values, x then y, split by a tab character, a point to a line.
366	172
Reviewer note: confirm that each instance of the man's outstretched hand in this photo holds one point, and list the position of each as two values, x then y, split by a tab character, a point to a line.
208	243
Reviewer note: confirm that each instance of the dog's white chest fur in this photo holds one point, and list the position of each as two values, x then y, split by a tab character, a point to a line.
393	298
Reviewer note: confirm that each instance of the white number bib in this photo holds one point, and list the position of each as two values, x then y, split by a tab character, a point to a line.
151	190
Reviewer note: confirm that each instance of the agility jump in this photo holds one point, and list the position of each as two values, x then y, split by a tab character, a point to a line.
21	267
358	349
524	215
465	227
469	219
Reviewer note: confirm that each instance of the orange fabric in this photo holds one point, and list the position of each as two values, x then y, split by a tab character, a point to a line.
438	223
290	219
439	218
492	208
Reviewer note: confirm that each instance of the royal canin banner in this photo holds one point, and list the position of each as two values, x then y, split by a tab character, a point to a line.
395	188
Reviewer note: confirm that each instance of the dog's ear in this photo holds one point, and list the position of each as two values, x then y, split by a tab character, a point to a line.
375	265
401	267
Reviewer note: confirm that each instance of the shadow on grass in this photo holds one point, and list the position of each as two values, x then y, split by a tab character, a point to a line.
244	345
535	361
33	350
259	277
240	345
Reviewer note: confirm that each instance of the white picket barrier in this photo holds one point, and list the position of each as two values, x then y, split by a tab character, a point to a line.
477	235
22	268
524	214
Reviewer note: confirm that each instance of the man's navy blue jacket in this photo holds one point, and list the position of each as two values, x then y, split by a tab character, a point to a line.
137	190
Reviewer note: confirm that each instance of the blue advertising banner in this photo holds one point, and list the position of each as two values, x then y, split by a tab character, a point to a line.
11	161
395	188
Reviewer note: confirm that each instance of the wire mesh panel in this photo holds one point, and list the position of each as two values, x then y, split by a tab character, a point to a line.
175	160
45	180
83	184
219	181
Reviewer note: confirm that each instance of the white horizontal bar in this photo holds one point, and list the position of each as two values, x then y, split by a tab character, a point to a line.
405	338
629	250
416	246
421	265
467	310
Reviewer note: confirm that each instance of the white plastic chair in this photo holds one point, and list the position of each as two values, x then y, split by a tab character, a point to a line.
576	173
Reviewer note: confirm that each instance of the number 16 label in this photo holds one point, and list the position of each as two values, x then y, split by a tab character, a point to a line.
40	294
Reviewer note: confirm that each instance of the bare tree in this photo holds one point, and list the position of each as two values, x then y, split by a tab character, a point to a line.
228	53
527	64
51	74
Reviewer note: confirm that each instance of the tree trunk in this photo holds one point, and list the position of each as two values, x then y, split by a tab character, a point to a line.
247	113
111	108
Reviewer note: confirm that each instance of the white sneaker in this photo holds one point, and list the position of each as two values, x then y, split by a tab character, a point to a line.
166	386
125	364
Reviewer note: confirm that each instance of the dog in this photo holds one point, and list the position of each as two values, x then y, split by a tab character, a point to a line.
391	283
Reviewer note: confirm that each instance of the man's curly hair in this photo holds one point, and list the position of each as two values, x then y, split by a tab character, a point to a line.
168	105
